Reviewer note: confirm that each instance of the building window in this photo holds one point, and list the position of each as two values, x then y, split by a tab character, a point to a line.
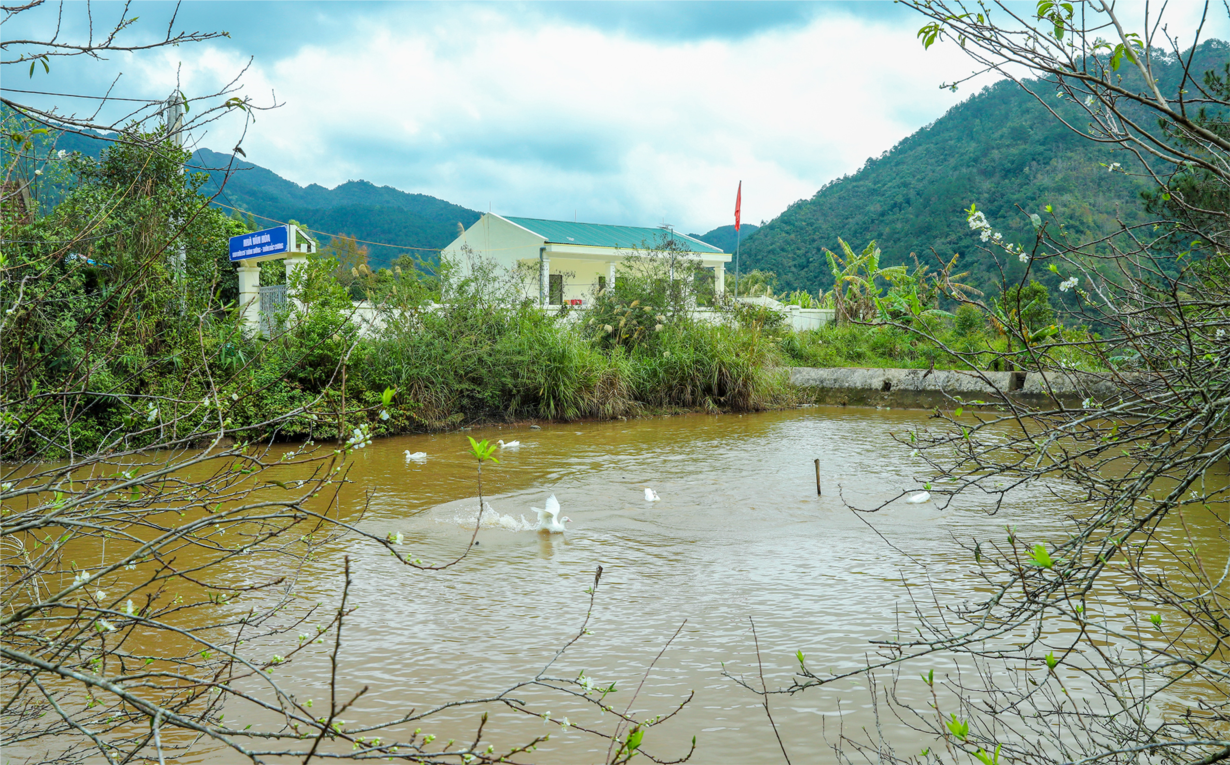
601	284
555	293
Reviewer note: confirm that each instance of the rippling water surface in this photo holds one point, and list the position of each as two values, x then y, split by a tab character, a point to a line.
739	535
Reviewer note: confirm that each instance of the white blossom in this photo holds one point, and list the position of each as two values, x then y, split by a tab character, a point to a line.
1068	284
1113	167
129	608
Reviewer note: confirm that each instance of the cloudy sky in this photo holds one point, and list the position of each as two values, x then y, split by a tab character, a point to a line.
632	113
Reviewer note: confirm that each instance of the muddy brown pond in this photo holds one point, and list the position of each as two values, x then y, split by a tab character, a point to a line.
738	535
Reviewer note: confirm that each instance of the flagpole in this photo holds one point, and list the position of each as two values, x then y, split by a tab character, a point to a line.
736	264
738	220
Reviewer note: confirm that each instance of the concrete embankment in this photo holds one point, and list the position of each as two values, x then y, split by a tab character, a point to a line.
925	389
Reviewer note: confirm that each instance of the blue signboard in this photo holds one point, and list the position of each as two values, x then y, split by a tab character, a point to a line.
271	241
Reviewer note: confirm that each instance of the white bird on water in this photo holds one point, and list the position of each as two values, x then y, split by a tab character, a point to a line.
920	498
510	444
651	495
416	457
548	519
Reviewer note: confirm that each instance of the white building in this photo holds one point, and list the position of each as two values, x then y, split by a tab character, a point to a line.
572	259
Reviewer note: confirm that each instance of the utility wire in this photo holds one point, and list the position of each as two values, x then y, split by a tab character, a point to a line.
326	233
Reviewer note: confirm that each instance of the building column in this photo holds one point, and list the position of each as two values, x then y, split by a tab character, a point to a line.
250	295
295	266
719	279
610	275
544	280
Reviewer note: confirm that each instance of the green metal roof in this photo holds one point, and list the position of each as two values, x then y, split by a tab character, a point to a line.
601	235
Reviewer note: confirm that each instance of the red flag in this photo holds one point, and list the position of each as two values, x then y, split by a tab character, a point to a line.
738	204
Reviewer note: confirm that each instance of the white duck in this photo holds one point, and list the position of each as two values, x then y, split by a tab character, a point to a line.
416	457
920	498
651	495
548	519
510	444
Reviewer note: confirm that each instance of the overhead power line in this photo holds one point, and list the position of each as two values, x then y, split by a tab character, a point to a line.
326	233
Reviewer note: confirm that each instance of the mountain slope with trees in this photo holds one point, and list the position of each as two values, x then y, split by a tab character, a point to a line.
1000	150
724	236
415	222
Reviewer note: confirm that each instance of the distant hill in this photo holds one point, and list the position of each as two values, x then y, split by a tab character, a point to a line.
999	149
724	236
355	208
415	223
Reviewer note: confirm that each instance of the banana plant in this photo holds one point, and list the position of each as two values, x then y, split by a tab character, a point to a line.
855	292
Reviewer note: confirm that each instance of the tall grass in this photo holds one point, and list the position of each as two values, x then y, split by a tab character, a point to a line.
491	355
712	367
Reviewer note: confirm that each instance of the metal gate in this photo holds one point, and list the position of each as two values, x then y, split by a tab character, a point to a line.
273	308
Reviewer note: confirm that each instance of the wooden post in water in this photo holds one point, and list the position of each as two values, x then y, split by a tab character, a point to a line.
818	494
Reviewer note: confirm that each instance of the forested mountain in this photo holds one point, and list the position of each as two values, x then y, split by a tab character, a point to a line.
1001	150
724	236
412	222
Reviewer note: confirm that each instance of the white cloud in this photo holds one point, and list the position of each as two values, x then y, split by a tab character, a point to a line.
545	118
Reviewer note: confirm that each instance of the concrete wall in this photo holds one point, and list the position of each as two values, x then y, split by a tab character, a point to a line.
802	319
918	388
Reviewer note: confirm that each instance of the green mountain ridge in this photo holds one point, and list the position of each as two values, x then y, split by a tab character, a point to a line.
404	222
999	149
397	221
724	236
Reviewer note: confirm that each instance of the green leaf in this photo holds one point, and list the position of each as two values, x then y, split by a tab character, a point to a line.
1035	219
634	739
1041	557
958	728
929	678
929	34
799	655
1043	333
387	397
1051	661
1157	620
482	450
958	412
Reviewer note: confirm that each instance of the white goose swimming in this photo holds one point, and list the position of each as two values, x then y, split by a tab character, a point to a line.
548	519
651	495
920	498
416	457
510	444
